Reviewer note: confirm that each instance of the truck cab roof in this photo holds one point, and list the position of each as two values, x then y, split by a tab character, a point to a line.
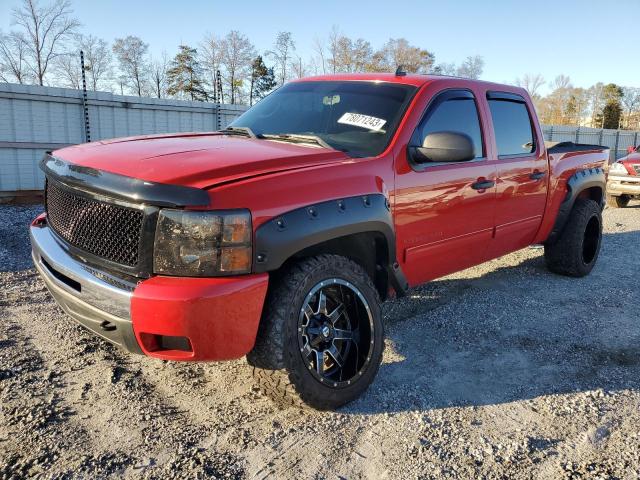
414	79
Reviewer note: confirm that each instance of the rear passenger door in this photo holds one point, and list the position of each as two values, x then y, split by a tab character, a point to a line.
444	211
521	188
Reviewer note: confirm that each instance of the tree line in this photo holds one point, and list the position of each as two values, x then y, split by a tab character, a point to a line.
44	44
599	106
45	39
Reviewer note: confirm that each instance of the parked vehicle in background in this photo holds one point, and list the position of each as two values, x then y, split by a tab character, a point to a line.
623	183
278	237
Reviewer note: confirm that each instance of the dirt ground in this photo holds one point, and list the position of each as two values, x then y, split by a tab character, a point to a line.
500	371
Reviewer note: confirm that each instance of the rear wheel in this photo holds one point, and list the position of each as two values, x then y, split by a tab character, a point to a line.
575	253
320	341
618	201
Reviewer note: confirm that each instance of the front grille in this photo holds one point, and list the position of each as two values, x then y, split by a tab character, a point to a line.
106	230
636	167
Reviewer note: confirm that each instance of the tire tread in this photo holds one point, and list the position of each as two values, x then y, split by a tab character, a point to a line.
270	372
564	256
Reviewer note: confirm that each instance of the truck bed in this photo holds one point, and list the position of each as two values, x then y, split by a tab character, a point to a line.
564	147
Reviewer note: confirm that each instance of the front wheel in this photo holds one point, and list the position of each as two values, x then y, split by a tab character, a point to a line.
321	337
618	201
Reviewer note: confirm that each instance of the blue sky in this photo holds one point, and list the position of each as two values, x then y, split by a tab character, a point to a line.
588	40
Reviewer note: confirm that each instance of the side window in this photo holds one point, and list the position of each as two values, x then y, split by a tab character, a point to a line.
512	127
455	114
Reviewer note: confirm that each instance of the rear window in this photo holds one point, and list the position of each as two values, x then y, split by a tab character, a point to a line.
512	127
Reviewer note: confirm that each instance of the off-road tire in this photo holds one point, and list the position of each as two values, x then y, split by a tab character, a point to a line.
576	251
278	367
618	201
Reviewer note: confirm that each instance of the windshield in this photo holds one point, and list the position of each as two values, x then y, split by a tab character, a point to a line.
356	117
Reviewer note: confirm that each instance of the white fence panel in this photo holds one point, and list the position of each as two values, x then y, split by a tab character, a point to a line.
35	119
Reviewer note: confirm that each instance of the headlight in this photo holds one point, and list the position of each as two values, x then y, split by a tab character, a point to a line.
202	244
618	169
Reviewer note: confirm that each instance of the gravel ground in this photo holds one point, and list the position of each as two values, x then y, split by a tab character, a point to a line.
501	371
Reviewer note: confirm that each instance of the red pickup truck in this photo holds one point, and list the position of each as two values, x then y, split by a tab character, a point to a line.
623	182
278	237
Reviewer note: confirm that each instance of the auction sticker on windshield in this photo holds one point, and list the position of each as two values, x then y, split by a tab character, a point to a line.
362	121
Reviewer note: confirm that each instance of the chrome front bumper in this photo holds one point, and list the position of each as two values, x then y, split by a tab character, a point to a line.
98	301
623	185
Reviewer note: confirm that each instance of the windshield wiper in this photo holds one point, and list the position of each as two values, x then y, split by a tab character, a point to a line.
296	138
244	131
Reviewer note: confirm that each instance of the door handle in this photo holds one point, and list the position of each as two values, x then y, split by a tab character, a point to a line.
537	175
483	184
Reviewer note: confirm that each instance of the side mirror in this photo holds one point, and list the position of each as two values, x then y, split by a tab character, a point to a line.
631	149
444	147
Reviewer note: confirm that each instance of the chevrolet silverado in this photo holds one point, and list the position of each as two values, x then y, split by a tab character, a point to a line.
278	237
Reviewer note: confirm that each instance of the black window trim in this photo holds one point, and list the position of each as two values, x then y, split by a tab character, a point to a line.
513	98
439	98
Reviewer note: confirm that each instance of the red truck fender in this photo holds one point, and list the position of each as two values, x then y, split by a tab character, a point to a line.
289	234
592	180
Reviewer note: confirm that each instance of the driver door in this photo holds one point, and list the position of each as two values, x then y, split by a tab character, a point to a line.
444	212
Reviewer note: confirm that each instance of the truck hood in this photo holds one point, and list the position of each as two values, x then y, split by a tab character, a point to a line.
196	159
631	158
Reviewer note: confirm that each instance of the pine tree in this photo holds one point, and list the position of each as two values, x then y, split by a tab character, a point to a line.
185	75
611	114
262	80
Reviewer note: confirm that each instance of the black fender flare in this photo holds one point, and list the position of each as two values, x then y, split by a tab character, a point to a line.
283	236
577	183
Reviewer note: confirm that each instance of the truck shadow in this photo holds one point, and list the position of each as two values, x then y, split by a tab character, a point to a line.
512	334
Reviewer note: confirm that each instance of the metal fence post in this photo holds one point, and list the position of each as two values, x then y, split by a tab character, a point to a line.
615	151
635	140
85	107
551	134
578	134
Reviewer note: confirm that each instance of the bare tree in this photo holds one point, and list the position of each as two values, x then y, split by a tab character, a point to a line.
299	67
45	29
561	81
210	54
531	83
596	92
131	53
159	69
281	53
319	60
564	105
68	70
631	102
361	53
237	56
444	68
348	55
399	52
334	47
472	67
97	61
13	53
